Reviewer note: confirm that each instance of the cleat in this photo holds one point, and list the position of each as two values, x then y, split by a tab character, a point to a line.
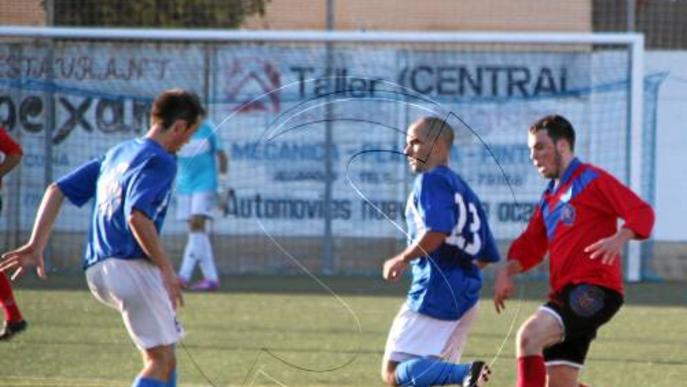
9	329
478	375
205	286
183	283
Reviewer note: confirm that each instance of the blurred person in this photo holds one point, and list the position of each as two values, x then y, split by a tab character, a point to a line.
14	321
126	265
199	184
576	222
449	242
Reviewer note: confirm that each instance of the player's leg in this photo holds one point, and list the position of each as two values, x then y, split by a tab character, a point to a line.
459	338
564	360
562	376
202	209
480	371
189	259
14	321
542	329
135	289
159	367
583	309
389	371
413	353
152	324
206	258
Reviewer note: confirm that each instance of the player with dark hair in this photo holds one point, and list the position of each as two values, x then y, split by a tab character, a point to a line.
14	322
576	223
449	241
126	266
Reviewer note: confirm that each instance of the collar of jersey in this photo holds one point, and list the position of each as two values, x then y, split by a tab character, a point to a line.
574	164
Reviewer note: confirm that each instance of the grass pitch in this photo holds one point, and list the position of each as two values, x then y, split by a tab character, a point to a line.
271	331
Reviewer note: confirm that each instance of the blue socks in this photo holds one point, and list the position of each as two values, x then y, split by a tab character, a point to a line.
172	382
148	382
430	371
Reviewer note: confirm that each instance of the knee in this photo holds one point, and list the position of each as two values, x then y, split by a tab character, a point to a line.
389	378
197	223
563	376
389	374
163	360
527	340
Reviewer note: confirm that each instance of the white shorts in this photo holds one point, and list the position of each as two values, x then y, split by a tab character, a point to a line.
134	287
199	203
416	335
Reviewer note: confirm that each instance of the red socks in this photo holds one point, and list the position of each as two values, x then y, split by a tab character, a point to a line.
12	313
531	371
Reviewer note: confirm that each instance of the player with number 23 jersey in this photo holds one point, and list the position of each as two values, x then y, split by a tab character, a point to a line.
449	242
446	283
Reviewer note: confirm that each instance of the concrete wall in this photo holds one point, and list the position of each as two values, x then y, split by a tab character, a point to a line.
478	15
22	12
432	15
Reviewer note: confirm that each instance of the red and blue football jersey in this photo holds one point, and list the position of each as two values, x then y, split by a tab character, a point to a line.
7	144
581	210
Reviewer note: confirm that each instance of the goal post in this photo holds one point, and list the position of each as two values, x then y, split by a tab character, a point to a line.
284	100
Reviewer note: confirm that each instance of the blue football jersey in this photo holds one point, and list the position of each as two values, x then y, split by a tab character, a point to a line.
446	283
197	161
136	174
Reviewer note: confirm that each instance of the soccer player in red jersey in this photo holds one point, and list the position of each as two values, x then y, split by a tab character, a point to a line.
14	322
576	222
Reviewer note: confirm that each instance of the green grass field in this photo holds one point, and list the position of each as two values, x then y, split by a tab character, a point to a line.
270	331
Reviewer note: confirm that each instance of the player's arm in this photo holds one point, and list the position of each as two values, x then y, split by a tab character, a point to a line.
503	284
223	177
9	163
31	253
78	186
481	264
218	147
525	252
436	208
223	160
489	252
146	195
425	245
13	153
223	166
638	216
146	235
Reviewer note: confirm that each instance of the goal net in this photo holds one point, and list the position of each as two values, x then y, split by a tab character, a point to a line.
315	123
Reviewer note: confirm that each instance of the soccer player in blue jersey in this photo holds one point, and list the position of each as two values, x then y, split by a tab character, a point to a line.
198	186
126	266
449	242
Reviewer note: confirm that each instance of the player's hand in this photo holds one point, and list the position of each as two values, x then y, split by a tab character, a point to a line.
223	196
394	268
21	259
223	193
173	286
609	248
503	289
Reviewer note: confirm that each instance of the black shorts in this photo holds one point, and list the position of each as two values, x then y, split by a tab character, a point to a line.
583	308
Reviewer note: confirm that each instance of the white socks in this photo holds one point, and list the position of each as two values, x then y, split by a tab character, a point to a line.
198	249
207	261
